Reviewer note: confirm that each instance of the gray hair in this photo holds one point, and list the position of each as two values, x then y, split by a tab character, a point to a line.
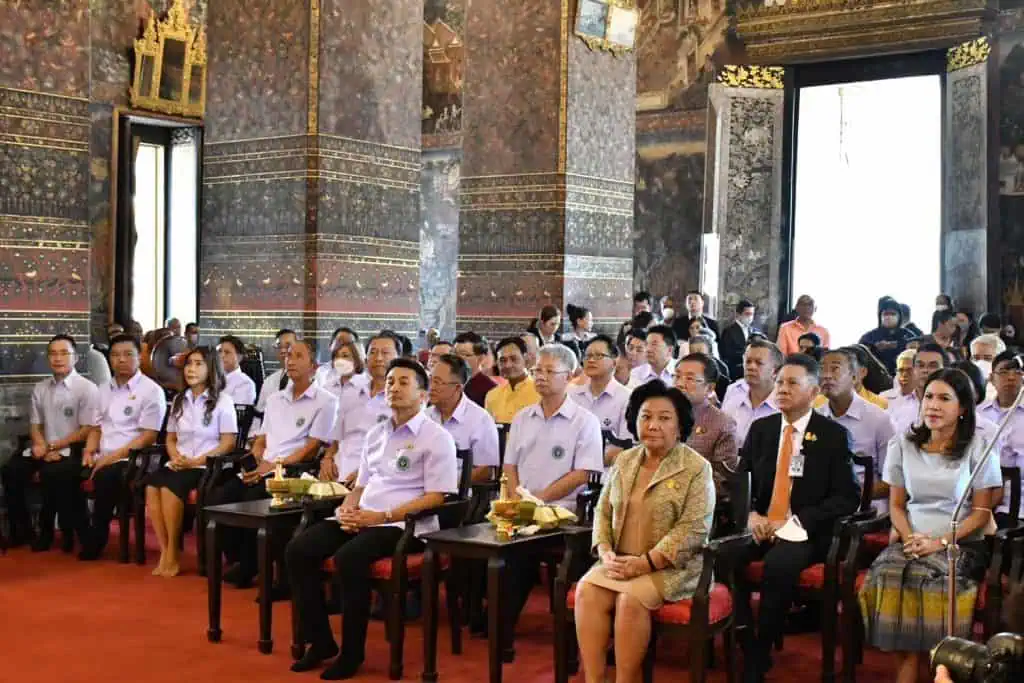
702	339
561	353
992	339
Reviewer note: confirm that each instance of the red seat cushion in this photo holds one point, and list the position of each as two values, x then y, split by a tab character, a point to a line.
87	486
719	606
876	543
193	497
812	578
381	569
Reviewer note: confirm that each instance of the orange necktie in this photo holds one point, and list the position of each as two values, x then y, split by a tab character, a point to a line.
779	507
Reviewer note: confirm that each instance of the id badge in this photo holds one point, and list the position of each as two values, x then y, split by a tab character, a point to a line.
796	465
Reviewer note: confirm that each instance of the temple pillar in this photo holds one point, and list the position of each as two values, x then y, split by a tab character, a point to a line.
311	167
546	190
44	193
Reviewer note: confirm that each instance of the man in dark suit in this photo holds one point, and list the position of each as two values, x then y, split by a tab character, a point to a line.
801	478
694	311
734	337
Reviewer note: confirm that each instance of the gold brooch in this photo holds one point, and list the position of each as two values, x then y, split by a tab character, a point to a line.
809	436
671	483
698	430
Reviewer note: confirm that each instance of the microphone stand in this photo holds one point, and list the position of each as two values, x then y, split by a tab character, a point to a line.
953	548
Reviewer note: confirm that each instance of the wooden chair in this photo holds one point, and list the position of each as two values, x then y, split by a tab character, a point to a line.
1003	570
1012	476
392	576
486	491
698	620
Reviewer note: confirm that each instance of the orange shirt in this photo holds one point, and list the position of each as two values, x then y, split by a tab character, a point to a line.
790	333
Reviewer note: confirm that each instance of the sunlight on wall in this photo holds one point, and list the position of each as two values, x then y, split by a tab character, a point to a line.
868	201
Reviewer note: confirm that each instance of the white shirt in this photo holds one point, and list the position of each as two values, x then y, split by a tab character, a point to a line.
197	433
358	413
609	406
904	412
642	374
62	408
289	421
125	411
473	429
799	429
403	464
870	432
1010	448
737	405
240	387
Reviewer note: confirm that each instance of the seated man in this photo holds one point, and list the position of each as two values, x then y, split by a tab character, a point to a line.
505	401
661	349
131	409
552	449
277	380
472	348
408	465
602	395
869	426
297	422
469	424
238	385
801	478
62	412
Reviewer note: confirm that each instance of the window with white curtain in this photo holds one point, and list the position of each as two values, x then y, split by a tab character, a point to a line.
181	244
868	210
148	255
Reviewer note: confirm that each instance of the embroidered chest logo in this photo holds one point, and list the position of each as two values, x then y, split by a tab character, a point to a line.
127	410
301	421
607	422
381	418
69	411
557	452
207	419
402	462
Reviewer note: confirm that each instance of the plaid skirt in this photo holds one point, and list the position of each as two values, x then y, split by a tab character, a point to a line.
903	601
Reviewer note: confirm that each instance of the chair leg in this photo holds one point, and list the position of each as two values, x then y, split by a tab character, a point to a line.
729	645
139	508
828	639
200	546
451	594
647	666
396	615
124	529
561	655
710	647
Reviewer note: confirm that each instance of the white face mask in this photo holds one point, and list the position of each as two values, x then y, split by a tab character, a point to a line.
667	313
344	367
746	320
986	368
941	307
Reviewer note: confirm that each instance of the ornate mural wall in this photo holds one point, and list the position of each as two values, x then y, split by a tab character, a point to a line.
1010	55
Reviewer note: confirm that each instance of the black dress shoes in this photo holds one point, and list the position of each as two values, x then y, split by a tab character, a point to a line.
313	658
42	543
341	669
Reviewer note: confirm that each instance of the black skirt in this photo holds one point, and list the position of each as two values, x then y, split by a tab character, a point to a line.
180	483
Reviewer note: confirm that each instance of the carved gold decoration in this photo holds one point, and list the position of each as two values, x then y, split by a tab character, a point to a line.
968	54
764	77
617	33
170	66
313	94
815	30
444	58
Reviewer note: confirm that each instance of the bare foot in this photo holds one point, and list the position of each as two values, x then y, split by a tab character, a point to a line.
171	570
159	571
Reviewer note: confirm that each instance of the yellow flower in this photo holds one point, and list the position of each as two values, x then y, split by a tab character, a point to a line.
809	436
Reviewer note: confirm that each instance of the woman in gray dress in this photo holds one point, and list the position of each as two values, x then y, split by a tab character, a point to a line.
903	600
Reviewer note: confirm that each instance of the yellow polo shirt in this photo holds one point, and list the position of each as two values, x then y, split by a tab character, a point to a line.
869	396
503	402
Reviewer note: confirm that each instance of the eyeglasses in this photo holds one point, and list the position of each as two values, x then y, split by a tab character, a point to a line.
597	356
690	379
539	372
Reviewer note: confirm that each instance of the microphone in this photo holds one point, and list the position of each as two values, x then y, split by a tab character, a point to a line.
953	549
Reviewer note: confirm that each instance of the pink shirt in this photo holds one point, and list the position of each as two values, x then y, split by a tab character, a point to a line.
790	333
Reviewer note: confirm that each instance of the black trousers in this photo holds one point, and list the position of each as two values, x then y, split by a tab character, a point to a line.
783	562
353	554
59	482
108	493
522	573
239	544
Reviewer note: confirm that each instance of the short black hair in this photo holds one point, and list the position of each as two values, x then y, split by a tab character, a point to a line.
657	389
441	342
385	334
711	373
126	339
847	352
1007	355
355	335
63	337
695	291
613	350
283	331
458	366
191	325
973	373
761	342
637	333
409	364
235	342
942	317
932	347
642	297
744	305
513	341
666	333
478	342
811	337
310	345
642	319
802	360
991	321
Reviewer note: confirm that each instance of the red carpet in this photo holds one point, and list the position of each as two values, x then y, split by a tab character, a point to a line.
66	621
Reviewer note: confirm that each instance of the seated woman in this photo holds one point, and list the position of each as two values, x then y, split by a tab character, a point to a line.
346	371
654	515
202	425
903	599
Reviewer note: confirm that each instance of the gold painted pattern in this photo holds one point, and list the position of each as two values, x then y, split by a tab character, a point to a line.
563	90
747	76
968	54
313	104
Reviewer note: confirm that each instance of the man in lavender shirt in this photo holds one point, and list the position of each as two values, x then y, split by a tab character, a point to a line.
407	465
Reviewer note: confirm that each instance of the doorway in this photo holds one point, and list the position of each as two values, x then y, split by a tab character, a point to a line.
867	199
157	244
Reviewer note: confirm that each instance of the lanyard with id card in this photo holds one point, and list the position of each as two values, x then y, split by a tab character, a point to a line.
796	466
